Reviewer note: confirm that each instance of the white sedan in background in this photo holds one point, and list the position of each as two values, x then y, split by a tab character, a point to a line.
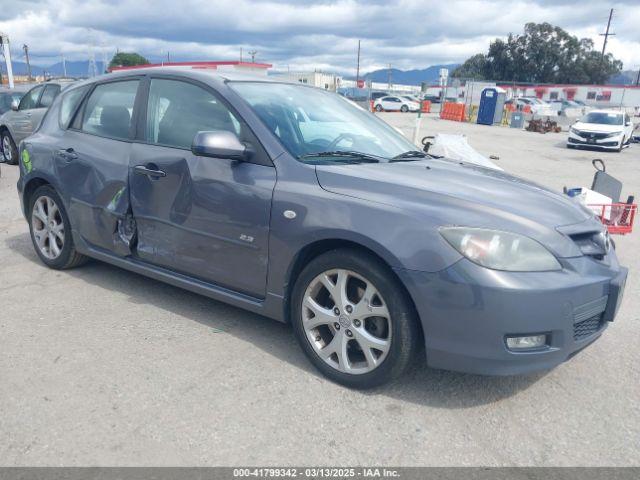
608	129
395	104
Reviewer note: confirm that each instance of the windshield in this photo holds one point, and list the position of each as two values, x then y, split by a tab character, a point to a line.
603	118
311	121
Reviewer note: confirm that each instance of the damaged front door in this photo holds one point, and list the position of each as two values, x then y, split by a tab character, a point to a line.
92	161
204	217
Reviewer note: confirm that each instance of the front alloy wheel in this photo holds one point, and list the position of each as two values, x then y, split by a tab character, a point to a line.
353	318
9	151
346	321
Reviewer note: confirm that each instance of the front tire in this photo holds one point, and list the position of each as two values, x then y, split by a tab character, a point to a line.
51	230
353	319
378	108
622	142
9	149
404	109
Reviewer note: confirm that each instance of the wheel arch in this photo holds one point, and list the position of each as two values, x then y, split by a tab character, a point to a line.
319	247
31	186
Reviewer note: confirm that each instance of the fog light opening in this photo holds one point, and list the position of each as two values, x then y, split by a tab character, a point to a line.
528	342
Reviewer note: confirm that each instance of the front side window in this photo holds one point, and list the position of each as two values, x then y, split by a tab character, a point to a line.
49	95
30	100
109	109
310	120
69	104
178	110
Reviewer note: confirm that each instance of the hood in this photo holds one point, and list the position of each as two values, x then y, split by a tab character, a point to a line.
597	127
455	194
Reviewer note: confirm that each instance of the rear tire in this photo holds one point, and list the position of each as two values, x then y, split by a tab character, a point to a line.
370	334
51	230
9	149
378	108
404	109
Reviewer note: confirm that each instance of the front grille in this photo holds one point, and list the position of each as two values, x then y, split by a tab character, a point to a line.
587	327
594	135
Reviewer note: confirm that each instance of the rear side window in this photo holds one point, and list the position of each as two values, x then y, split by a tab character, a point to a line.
109	108
69	104
49	95
30	100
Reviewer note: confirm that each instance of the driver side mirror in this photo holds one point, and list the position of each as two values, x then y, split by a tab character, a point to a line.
220	144
14	105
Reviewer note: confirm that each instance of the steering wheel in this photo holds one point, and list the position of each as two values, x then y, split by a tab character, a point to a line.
339	138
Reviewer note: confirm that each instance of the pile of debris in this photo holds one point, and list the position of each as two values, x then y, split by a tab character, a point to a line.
543	126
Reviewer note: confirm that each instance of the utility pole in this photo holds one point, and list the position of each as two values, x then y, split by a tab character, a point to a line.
64	67
6	52
606	34
638	78
240	54
253	54
358	66
389	77
25	47
168	57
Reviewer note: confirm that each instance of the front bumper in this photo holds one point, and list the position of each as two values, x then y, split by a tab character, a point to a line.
467	312
606	143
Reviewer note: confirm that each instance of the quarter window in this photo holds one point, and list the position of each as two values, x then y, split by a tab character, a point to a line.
69	104
178	110
109	109
30	100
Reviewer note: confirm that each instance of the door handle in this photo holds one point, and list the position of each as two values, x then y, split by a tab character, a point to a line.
68	154
149	172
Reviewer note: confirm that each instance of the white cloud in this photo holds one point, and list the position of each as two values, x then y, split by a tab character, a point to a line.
302	34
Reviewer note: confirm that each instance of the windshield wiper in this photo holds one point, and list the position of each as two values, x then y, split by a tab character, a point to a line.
409	156
364	157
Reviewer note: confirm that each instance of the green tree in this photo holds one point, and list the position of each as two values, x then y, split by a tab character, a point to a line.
123	59
543	54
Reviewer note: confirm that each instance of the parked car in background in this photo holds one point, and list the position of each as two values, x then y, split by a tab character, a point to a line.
376	95
607	129
538	107
568	107
432	98
395	104
292	202
9	97
23	118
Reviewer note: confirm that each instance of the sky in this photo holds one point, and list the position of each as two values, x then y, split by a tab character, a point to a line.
302	34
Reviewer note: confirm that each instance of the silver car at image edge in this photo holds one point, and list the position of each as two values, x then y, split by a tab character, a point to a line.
291	202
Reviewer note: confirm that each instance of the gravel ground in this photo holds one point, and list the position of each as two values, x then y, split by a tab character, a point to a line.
99	366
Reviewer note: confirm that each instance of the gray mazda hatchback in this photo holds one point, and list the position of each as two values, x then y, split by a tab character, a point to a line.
293	202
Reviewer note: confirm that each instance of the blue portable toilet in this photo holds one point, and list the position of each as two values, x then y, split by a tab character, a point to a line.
491	105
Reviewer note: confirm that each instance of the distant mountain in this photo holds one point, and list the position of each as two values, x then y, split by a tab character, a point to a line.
410	77
74	69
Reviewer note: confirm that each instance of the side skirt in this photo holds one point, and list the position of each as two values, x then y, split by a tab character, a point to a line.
272	306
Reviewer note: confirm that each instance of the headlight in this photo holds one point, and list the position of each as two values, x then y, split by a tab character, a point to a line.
574	131
613	134
500	250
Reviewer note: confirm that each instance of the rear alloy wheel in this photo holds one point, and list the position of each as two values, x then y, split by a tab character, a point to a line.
9	150
378	108
404	109
51	230
353	320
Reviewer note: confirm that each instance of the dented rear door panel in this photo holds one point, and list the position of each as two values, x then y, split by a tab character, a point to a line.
94	171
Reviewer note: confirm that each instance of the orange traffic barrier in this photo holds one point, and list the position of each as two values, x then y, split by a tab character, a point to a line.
425	106
510	107
453	111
